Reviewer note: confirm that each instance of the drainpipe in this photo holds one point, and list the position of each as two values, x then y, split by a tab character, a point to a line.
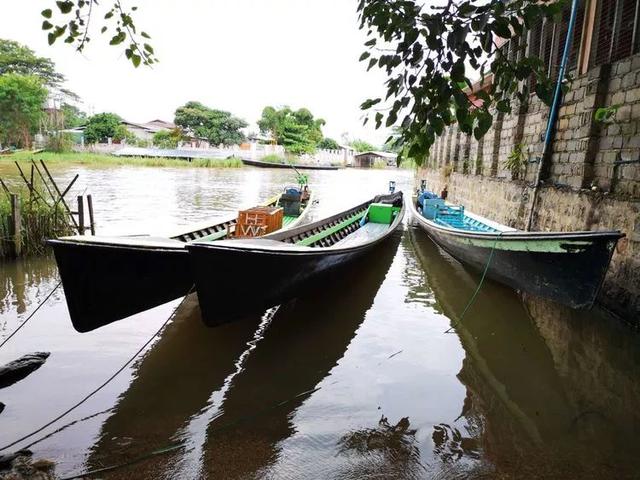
553	113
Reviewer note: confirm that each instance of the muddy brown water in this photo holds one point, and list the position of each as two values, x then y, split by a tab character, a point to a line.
358	380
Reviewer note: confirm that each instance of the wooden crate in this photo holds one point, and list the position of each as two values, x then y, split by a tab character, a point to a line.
258	221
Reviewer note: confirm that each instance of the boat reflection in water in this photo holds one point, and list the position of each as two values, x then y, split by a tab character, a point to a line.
228	392
171	384
551	392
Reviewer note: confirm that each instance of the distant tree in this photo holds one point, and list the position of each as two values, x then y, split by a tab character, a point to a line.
73	116
18	58
217	126
328	144
298	131
167	138
102	126
122	133
21	101
361	146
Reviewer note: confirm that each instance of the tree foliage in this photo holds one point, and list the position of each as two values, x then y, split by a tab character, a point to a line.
18	58
361	146
103	126
73	116
217	126
328	144
167	138
298	131
432	54
21	100
71	20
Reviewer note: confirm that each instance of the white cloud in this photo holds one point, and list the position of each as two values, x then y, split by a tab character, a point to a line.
236	55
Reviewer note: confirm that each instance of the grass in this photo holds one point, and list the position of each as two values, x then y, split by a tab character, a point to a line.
39	221
111	160
379	164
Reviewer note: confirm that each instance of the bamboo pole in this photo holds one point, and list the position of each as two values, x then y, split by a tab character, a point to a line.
61	198
80	215
92	224
15	226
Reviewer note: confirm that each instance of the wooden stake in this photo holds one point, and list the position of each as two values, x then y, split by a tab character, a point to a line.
15	226
80	215
92	224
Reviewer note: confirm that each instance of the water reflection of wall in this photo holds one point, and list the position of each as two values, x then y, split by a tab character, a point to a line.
555	391
598	360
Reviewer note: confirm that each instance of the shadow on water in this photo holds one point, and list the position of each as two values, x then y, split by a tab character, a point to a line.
551	392
306	339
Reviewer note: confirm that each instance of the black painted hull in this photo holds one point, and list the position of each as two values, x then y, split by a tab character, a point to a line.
568	268
258	163
105	283
256	278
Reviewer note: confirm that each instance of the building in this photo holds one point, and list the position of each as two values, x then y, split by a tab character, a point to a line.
146	131
592	177
368	159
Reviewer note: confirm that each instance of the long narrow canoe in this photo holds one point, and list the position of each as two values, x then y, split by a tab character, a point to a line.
568	268
110	278
262	272
298	166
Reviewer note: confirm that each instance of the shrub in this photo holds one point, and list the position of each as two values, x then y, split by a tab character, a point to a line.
273	158
59	142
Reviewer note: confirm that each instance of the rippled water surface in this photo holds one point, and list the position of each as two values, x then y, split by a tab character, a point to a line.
358	380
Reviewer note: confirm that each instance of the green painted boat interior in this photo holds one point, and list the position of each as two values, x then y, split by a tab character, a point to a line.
377	218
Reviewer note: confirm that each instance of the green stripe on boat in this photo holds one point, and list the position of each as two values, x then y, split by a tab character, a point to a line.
325	233
542	246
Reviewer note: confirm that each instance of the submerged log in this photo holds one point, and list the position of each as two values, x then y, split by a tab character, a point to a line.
15	371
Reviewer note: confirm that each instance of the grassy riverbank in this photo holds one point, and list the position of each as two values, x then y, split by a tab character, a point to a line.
98	159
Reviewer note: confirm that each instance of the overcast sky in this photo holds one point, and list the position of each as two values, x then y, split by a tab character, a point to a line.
236	55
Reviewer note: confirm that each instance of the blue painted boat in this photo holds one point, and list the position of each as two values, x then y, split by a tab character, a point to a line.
567	267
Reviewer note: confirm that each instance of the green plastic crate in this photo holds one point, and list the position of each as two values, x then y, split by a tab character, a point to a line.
381	213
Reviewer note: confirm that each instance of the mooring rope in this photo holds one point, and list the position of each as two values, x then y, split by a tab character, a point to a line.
475	294
105	383
31	316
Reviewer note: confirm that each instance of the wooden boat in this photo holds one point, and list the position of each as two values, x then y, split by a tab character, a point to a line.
298	166
110	278
263	272
568	268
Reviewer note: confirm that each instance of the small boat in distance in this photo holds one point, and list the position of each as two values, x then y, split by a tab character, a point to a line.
108	278
262	272
298	166
568	268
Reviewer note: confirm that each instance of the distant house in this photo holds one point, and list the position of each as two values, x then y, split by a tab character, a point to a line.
146	131
367	159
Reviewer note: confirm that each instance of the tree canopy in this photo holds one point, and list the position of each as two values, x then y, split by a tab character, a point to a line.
431	55
361	145
217	126
102	126
328	144
21	101
298	131
18	58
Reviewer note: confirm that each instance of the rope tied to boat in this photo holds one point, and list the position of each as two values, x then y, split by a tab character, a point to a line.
106	382
32	314
475	293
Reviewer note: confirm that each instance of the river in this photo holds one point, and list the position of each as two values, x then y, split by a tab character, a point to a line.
359	380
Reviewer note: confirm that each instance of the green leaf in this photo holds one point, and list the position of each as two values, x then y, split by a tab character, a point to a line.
108	15
364	56
145	34
118	39
46	25
51	38
46	13
148	48
135	59
65	6
103	29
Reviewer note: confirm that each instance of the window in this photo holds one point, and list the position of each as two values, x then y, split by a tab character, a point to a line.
616	35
